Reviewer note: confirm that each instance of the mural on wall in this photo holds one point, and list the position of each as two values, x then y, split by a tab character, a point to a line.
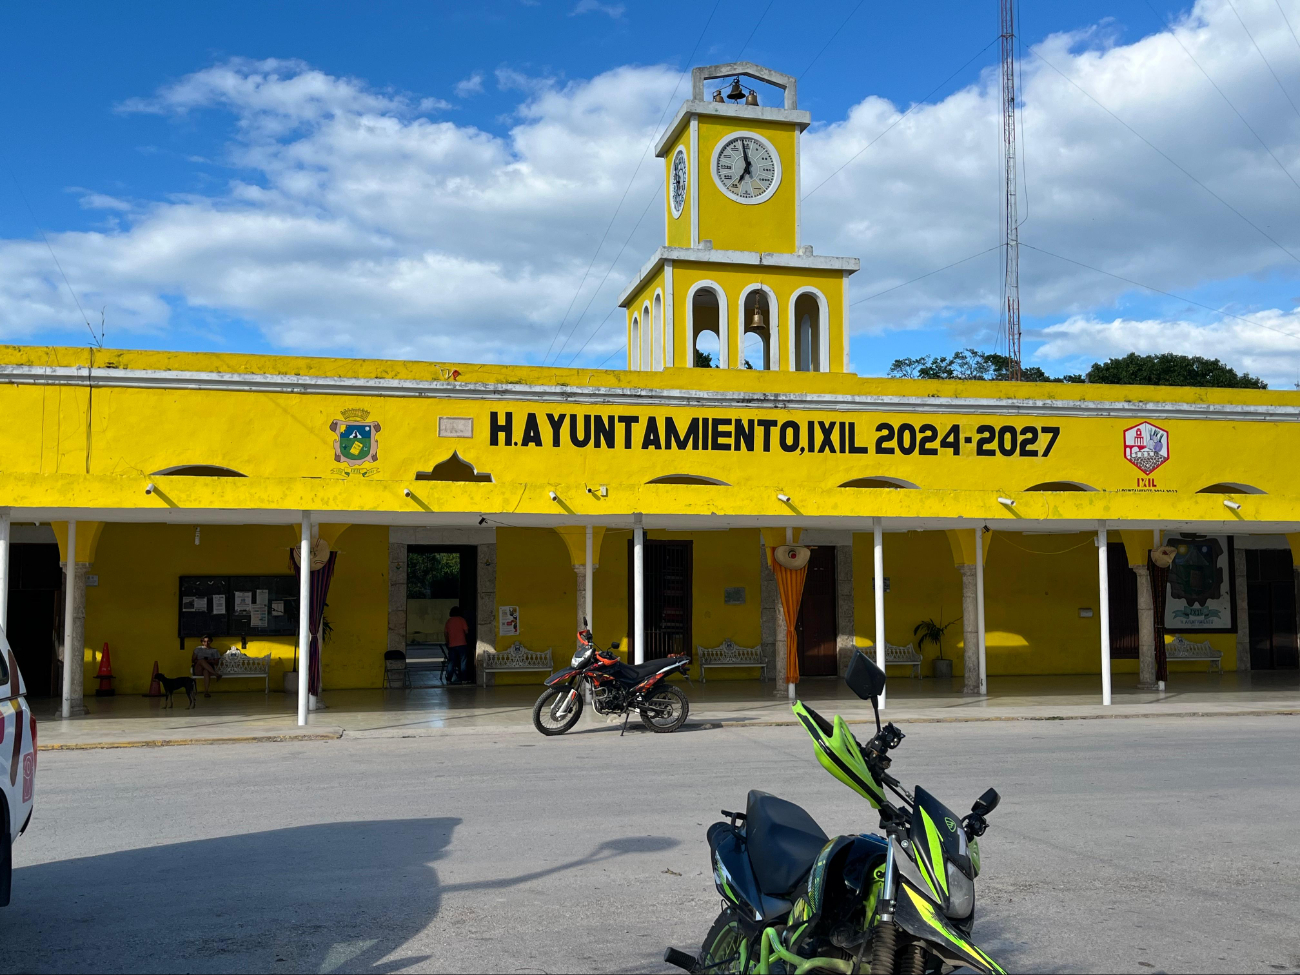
356	442
1201	592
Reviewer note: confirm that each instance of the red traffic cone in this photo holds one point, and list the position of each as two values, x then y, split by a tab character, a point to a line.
155	690
105	676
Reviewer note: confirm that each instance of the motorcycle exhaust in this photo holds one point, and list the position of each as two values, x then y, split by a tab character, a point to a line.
680	959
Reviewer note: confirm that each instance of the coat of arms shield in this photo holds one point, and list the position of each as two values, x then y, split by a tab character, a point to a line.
356	440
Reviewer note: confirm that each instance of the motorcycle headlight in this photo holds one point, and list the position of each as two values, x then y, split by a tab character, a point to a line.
961	893
579	658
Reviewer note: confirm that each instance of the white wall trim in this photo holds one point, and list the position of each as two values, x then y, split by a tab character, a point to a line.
823	328
844	326
694	162
634	343
773	326
722	321
647	338
670	323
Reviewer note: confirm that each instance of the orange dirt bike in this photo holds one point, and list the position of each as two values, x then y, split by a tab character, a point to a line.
613	688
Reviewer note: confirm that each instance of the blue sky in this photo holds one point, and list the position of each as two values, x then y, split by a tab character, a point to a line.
123	146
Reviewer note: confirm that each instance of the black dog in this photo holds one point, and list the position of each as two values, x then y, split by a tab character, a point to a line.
172	684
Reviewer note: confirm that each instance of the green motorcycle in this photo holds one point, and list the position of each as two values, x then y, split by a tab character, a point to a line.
794	900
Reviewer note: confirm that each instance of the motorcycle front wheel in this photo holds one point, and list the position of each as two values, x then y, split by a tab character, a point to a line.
724	948
546	712
665	709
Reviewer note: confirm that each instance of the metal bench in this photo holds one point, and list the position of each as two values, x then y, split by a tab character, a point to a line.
240	665
1182	650
904	657
727	654
514	659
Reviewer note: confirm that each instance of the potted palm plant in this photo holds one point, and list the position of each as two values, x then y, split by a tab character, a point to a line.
933	632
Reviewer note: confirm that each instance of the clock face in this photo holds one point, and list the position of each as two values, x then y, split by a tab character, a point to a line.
677	181
746	167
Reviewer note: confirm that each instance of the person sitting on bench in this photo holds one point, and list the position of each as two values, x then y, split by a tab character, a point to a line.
204	663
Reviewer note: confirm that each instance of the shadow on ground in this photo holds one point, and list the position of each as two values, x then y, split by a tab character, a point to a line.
325	898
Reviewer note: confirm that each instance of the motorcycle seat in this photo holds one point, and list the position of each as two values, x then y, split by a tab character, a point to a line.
783	842
636	673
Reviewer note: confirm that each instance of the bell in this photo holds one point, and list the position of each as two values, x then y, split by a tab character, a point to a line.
757	321
717	96
751	98
736	93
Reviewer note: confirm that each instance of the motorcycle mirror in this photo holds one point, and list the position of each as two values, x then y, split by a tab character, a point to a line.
986	803
614	645
864	678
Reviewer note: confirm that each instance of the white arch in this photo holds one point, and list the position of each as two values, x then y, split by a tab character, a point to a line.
824	331
723	358
773	328
646	329
657	335
634	344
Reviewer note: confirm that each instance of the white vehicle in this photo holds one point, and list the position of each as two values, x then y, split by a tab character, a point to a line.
17	762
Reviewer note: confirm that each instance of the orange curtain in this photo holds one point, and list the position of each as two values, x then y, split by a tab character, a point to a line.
789	583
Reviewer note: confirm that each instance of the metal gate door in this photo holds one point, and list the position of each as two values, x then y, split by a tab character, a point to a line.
667	599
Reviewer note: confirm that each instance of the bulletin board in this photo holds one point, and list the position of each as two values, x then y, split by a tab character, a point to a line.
247	606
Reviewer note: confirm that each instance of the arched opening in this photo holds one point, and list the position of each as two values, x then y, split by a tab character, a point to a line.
634	344
756	350
647	346
879	482
697	479
807	334
1230	487
657	334
197	470
1061	486
706	322
454	468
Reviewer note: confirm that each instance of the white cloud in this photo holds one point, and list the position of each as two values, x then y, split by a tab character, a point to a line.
468	87
612	10
356	220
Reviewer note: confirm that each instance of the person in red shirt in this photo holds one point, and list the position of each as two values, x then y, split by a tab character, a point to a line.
456	632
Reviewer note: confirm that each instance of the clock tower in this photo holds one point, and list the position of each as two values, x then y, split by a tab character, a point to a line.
733	265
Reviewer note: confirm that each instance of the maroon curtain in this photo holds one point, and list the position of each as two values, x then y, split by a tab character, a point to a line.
1159	586
320	587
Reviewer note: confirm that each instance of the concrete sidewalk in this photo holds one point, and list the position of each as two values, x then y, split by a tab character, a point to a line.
436	711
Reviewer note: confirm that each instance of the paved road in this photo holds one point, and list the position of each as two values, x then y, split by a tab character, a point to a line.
1120	845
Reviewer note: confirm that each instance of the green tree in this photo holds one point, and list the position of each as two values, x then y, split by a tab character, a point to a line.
703	360
1171	369
965	364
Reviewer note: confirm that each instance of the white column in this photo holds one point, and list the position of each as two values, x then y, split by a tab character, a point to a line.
1155	544
69	583
304	616
979	606
638	590
588	595
4	568
880	603
789	687
1103	611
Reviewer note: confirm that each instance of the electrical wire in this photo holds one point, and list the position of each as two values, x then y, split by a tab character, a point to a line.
900	118
926	275
1174	35
1285	93
761	17
832	38
1288	22
1167	294
1169	159
99	339
671	98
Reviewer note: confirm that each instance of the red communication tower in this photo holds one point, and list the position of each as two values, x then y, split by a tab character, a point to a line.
1010	229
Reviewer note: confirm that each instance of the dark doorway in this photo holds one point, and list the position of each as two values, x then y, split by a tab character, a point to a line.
1270	601
1122	582
815	628
35	588
439	577
667	599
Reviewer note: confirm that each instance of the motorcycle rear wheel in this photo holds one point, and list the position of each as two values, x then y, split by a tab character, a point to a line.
671	707
545	718
722	946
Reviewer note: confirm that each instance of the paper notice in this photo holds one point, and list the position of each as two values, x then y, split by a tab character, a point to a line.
219	605
194	604
277	607
243	602
262	597
257	616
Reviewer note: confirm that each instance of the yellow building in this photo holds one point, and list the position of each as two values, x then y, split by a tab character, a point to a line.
186	477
